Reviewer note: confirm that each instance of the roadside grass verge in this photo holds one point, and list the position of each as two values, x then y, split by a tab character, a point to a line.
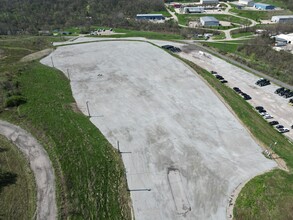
91	181
268	196
18	199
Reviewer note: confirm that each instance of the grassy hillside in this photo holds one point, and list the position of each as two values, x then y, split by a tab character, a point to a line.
91	182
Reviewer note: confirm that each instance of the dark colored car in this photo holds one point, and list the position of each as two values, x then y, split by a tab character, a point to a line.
236	89
279	126
279	90
224	81
273	122
259	107
219	77
213	72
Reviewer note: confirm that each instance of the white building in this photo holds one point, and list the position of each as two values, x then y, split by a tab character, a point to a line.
248	3
282	19
209	2
208	21
284	38
190	10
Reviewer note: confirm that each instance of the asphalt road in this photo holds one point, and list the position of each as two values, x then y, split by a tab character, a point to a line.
40	165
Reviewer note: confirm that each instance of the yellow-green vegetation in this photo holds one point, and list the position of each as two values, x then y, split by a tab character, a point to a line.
17	184
91	181
268	196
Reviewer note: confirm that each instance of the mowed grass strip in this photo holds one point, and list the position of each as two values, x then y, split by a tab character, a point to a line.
17	199
268	196
91	178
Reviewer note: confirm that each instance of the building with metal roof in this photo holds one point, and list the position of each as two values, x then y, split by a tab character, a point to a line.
282	19
150	17
209	2
262	6
248	3
208	21
286	38
191	10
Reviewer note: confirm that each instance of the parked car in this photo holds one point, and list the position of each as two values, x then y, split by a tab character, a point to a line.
273	122
262	82
259	108
279	90
213	72
236	89
279	126
224	81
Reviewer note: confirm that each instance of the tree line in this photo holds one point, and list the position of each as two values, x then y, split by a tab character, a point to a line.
29	16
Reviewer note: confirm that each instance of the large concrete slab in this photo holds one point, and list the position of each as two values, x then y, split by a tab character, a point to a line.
169	120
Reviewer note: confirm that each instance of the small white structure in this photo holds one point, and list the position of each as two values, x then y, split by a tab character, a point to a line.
282	19
248	3
284	38
208	21
187	10
209	2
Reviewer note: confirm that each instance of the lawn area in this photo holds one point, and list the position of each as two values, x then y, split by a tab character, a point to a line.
90	175
165	13
226	47
243	34
146	34
18	199
185	18
268	196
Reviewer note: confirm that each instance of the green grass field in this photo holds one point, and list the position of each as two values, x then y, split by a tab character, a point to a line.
18	200
226	47
268	196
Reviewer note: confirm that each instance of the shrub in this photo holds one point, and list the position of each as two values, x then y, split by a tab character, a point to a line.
15	100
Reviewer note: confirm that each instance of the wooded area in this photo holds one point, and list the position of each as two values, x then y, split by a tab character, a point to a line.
29	16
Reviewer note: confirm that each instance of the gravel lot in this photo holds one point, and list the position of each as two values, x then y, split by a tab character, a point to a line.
179	140
275	105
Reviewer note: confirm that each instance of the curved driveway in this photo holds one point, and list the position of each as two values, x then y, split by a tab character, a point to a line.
40	165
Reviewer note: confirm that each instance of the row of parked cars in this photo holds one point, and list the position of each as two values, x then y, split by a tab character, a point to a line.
243	94
263	82
219	77
266	115
286	93
172	48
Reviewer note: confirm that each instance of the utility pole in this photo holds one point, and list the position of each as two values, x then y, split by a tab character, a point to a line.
88	110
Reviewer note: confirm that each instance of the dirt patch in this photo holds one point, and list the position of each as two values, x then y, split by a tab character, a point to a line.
36	55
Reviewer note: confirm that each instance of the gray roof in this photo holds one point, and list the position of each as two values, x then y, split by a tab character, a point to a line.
208	18
262	4
194	8
152	15
210	0
282	16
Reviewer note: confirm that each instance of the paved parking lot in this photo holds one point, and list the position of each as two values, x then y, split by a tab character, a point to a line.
275	105
184	151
